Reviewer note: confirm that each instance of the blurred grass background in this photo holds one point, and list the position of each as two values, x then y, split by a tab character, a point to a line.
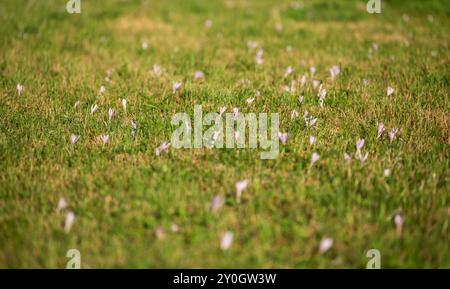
121	193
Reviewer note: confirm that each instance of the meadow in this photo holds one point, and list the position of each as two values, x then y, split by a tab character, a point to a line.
86	102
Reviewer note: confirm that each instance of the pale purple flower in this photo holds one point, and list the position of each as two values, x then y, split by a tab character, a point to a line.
222	109
198	74
176	85
235	112
73	138
240	186
380	129
325	244
62	204
359	155
393	134
250	100
94	108
347	157
309	120
124	104
398	221
312	139
300	99
70	219
289	70
283	137
104	138
102	90
163	147
314	157
312	70
303	80
215	136
156	70
77	104
110	113
226	241
216	203
389	91
334	71
359	144
20	88
259	56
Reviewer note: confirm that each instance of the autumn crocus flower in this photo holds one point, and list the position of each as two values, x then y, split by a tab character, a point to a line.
124	104
240	186
325	244
226	241
176	86
334	71
19	88
359	144
216	203
393	134
389	91
283	137
102	90
314	157
222	109
198	74
70	219
322	93
289	70
104	138
110	113
347	157
73	138
250	100
156	70
163	147
94	108
259	56
380	129
398	221
62	204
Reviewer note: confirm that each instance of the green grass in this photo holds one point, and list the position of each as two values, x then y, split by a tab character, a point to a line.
121	193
